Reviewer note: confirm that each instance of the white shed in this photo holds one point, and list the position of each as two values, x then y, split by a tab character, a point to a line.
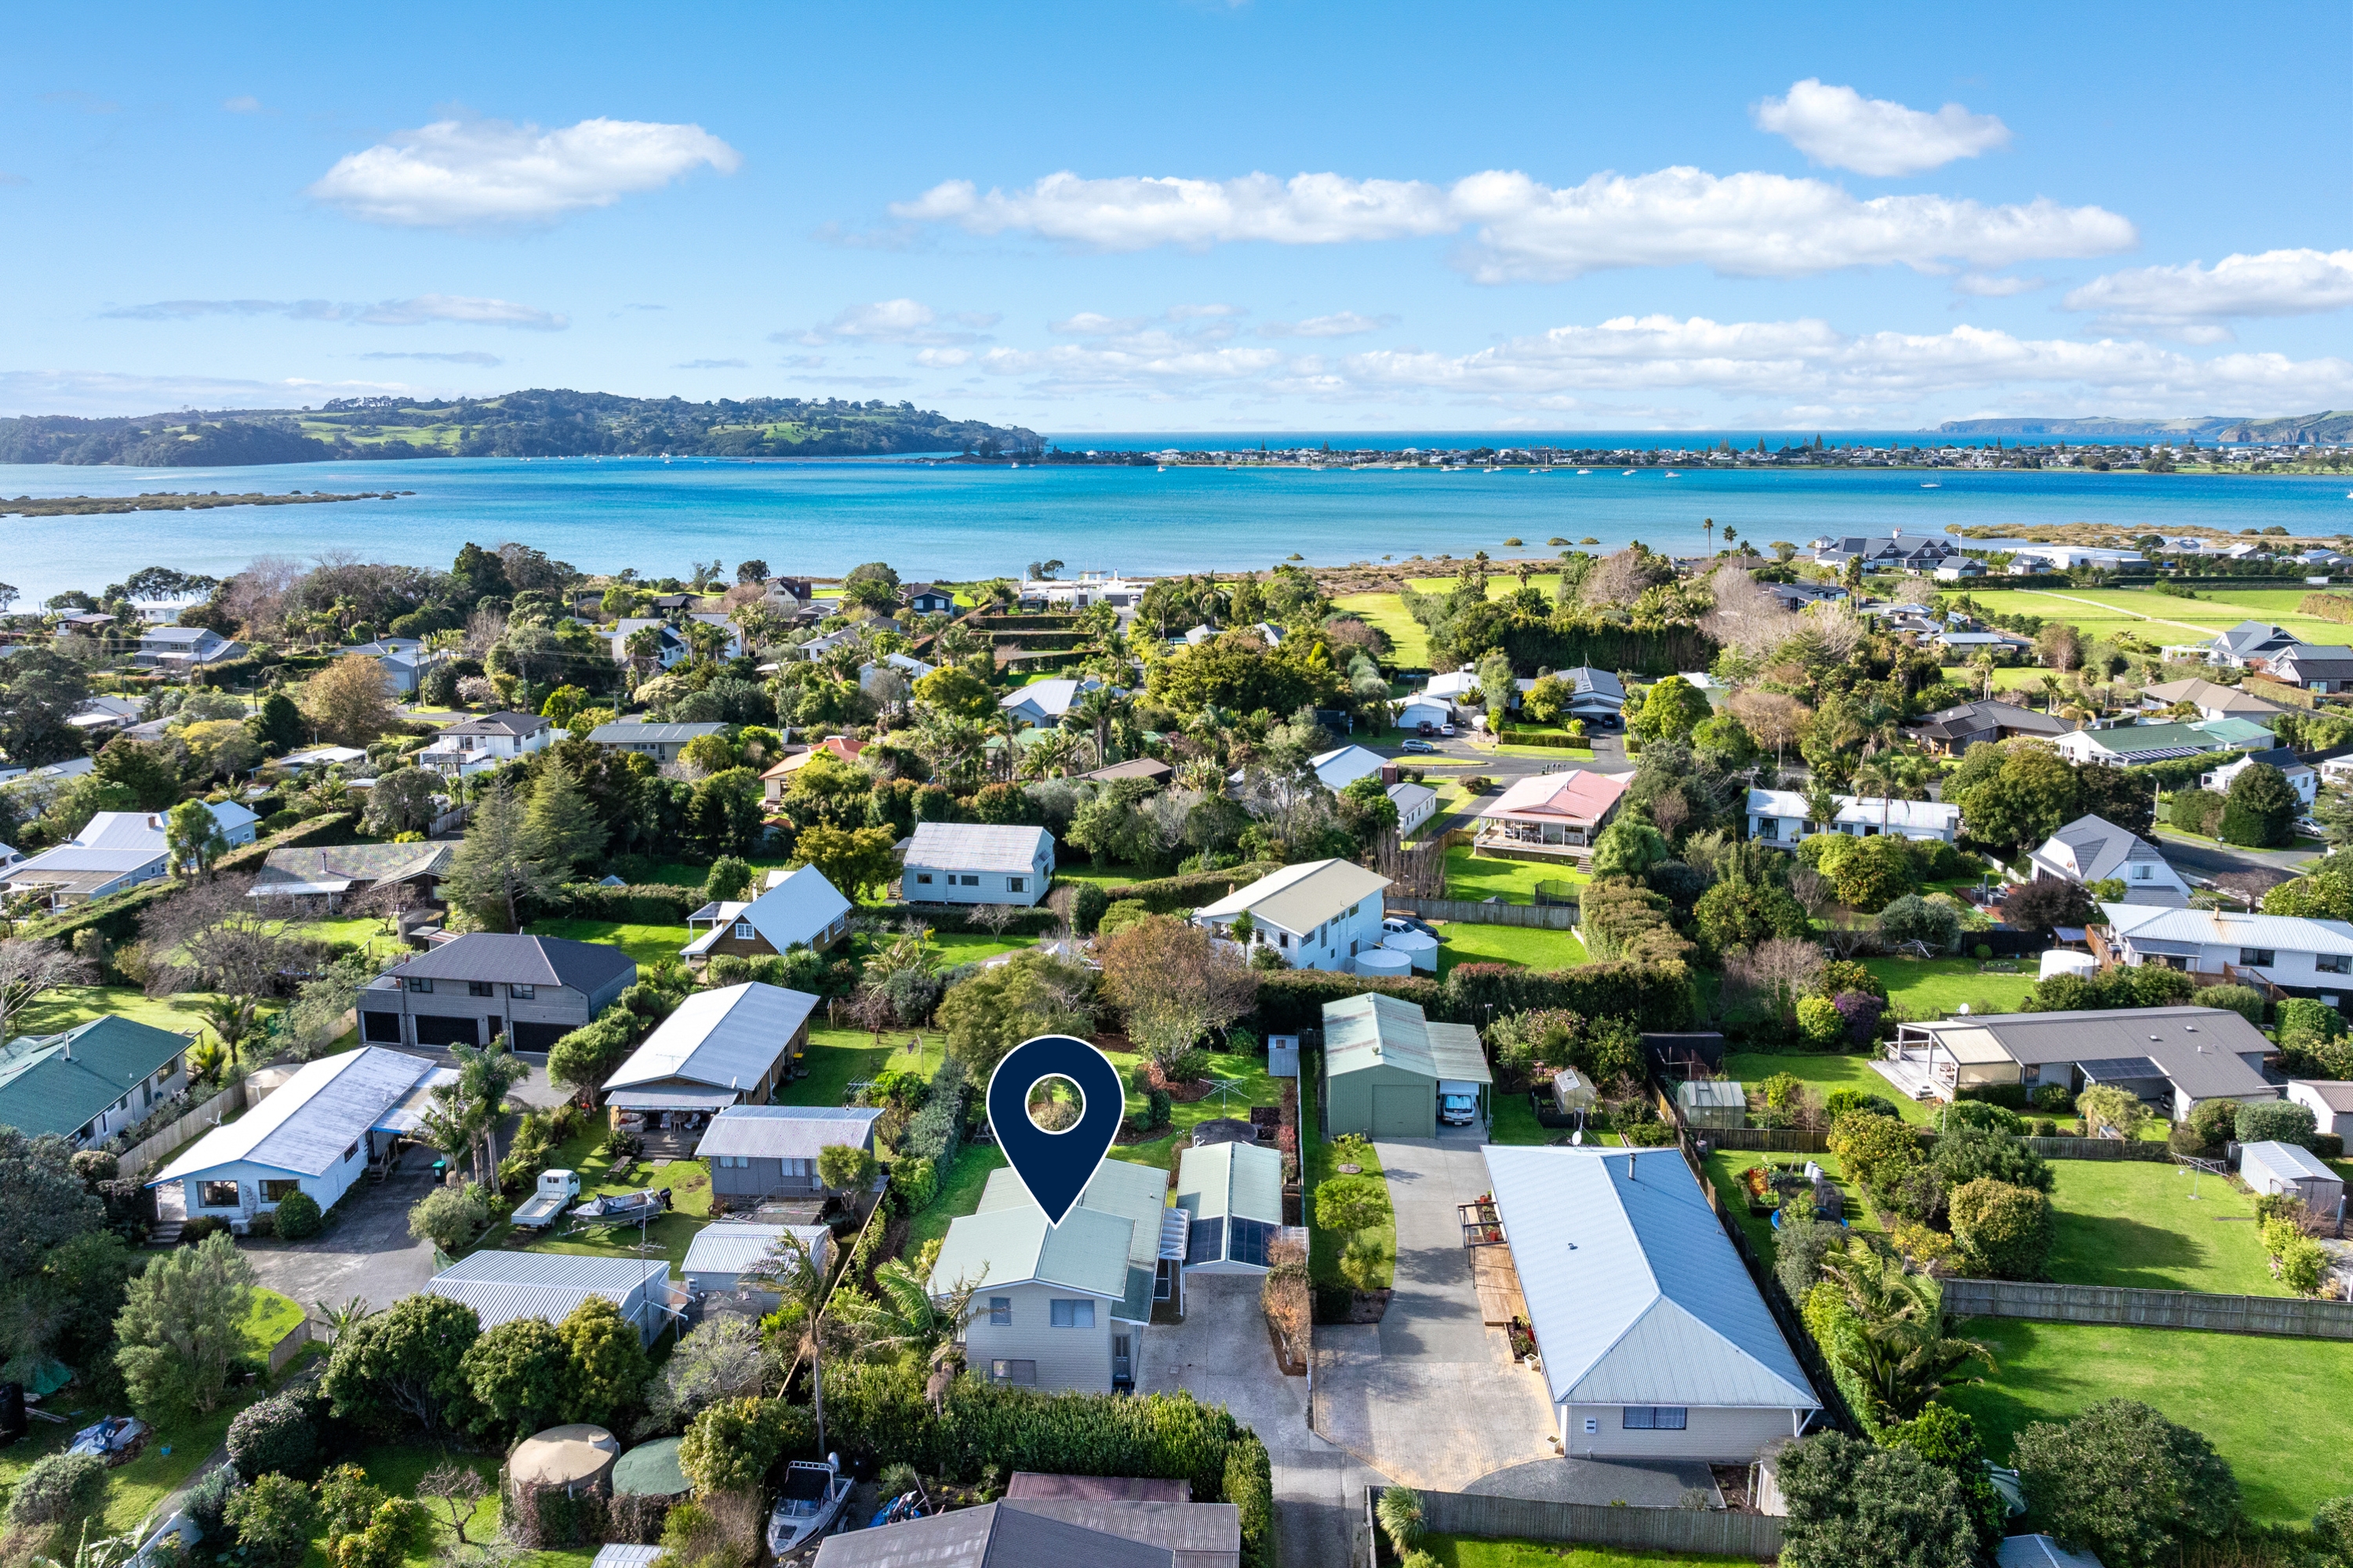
501	1286
2293	1169
723	1252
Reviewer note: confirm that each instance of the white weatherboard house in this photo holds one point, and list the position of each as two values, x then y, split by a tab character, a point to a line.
1064	1307
1655	1342
1343	766
2092	849
1318	915
1416	804
2221	947
798	909
501	1286
2300	776
1780	817
968	863
1045	702
318	1132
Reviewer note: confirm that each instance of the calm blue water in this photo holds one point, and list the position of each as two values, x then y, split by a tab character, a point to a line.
959	521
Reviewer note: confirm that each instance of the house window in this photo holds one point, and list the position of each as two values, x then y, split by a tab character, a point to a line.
278	1191
744	930
970	881
1000	1311
1017	885
217	1196
1020	1374
419	983
2141	872
1072	1314
1655	1418
2258	958
1768	828
2333	963
922	879
352	1152
480	988
523	992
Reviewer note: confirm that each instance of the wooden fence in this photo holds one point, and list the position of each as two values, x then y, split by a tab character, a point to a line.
2288	1317
285	1350
1544	917
1700	1531
148	1152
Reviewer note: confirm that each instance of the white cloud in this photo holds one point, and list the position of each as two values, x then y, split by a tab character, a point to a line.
1340	323
472	356
2192	300
908	321
1155	364
457	173
1979	286
1839	127
466	310
944	358
1745	225
712	365
244	104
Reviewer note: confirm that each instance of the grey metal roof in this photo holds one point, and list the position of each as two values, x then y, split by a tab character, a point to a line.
2137	923
501	1286
2201	1050
730	1246
994	1535
629	732
520	961
1633	1289
784	1132
727	1038
500	723
2098	849
308	1121
971	846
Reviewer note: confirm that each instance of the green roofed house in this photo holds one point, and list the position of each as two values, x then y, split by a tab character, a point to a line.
1386	1070
1232	1195
90	1082
2126	744
1062	1307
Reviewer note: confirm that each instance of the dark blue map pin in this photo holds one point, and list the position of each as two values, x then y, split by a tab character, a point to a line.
1055	1166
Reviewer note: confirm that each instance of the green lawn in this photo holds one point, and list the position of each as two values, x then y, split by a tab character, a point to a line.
1925	988
1110	878
2133	1223
1479	877
959	1192
2277	1409
971	947
688	1181
2158	618
1472	1552
1324	1247
1460	942
646	943
1386	610
75	1004
271	1318
1823	1074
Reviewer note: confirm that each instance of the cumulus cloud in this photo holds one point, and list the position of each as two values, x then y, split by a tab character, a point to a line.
471	356
1977	285
909	322
712	365
1340	323
1839	127
458	173
464	309
1745	225
2192	299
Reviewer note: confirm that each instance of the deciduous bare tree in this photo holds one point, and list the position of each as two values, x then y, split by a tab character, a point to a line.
28	970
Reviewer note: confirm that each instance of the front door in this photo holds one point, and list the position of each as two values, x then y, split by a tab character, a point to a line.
1123	1360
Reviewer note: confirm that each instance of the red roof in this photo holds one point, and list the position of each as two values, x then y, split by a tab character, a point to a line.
1579	795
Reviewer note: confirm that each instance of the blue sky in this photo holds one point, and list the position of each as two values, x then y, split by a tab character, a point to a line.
1172	215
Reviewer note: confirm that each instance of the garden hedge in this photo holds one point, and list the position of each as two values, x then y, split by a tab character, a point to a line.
1170	895
116	916
639	903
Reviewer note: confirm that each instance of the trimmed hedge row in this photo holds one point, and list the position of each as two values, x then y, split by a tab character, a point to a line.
1032	922
1290	1001
1169	895
639	903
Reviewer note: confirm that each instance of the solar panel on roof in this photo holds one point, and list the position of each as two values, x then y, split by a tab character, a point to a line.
2115	1069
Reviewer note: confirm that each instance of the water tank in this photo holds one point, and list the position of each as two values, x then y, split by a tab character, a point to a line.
2066	961
1419	946
1384	961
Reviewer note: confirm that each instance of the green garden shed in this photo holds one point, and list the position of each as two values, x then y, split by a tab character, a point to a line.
1390	1073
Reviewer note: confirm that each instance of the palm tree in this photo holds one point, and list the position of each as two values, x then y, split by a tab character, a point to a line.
2051	694
904	1316
233	1018
1707	525
1055	755
342	1319
793	1272
1901	1353
1094	710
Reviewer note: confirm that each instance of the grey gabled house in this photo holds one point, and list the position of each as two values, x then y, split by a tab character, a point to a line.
531	990
770	1151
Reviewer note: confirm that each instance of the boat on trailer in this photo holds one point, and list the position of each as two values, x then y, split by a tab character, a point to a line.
809	1505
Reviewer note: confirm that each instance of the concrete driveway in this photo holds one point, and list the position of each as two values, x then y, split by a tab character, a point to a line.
1430	1396
1221	1354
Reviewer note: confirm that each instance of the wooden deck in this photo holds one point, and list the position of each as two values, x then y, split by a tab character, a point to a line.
1498	1284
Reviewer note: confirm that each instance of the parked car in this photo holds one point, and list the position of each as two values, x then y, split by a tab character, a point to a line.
1397	924
1419	747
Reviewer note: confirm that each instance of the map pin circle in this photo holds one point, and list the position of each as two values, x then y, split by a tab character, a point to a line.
1055	1167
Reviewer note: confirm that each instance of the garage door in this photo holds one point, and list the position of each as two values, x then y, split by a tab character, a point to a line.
380	1028
536	1036
432	1030
1402	1110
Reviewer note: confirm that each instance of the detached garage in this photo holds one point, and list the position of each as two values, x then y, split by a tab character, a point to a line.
1386	1067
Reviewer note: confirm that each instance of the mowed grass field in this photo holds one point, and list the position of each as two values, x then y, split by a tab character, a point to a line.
1387	611
2161	618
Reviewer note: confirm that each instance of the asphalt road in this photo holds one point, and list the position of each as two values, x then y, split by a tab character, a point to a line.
2198	858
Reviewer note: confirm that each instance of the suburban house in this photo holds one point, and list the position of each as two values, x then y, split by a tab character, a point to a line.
725	1257
662	742
1337	768
733	1045
90	1082
2211	699
2316	668
402	660
184	648
1416	804
1386	1066
471	744
724	624
779	777
1552	815
1892	553
476	986
1231	1197
1151	770
1063	1306
1317	915
669	646
316	1132
1782	817
1656	1344
2329	1101
2222	947
1595	695
501	1286
2248	641
925	599
803	910
2002	645
115	849
1960	569
104	715
971	863
320	757
2176	1058
906	666
761	1151
1425	713
1795	596
323	880
2300	776
2123	744
1043	703
1085	1530
2092	849
1948	732
1087	589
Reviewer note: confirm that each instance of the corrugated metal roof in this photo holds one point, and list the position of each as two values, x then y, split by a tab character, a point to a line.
2288	1161
627	734
501	1286
994	1535
1243	1179
1371	1029
731	1246
728	1038
784	1132
972	846
405	1114
1137	1193
1634	1292
1087	1251
502	959
1298	898
2230	928
1455	1054
310	1120
794	912
57	1083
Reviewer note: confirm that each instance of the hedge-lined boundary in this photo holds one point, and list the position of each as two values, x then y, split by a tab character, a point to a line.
1168	895
1292	1001
116	916
639	903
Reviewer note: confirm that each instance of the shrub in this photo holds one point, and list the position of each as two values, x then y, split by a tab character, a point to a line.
450	1216
1967	1153
2125	1482
1981	952
1852	1505
276	1434
934	1132
205	1501
913	1184
274	1520
730	1446
2276	1121
1820	1023
2242	1000
1912	918
1118	916
1983	1114
56	1488
298	1216
1399	1513
1865	1143
1249	1486
1087	905
1799	1248
1838	1102
1861	1011
2303	1265
1351	1202
2003	1231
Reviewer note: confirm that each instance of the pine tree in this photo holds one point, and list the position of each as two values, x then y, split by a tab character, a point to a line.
503	861
566	823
